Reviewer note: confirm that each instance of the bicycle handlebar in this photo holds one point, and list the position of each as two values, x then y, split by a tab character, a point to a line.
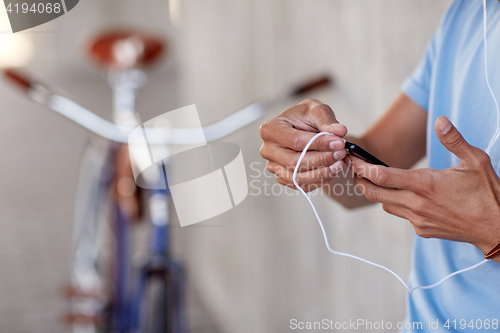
174	136
178	136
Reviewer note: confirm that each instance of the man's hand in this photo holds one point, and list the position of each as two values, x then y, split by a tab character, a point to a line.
286	136
459	203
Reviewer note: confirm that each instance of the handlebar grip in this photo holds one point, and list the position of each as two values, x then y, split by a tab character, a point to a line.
320	82
18	78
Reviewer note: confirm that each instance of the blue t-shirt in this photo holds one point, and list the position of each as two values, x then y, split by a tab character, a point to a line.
450	81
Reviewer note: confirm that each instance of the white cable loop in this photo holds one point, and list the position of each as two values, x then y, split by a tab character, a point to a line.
327	243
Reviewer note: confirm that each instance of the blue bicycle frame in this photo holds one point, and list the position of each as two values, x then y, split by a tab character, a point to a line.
130	283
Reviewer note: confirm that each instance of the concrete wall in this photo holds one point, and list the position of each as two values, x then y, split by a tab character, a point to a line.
263	263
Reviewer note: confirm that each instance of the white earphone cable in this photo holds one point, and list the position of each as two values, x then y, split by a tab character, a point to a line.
488	150
327	243
485	27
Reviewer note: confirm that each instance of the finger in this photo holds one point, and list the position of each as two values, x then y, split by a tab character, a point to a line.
271	166
383	195
305	187
289	158
451	138
281	131
318	175
398	211
384	176
322	117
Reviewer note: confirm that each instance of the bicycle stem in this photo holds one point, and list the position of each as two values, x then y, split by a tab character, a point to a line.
125	85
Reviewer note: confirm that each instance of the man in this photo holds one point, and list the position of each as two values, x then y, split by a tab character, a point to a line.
454	205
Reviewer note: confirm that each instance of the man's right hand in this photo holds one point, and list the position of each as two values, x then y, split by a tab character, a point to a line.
286	135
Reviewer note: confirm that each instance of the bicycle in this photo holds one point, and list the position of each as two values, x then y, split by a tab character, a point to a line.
107	293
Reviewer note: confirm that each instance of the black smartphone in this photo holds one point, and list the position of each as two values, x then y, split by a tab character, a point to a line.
357	151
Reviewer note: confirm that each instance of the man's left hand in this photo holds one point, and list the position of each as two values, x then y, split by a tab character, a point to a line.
459	203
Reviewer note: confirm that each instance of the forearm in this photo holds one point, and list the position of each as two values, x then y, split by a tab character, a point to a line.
399	137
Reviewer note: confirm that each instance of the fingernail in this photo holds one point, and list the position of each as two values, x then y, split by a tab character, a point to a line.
347	161
336	166
336	145
445	125
338	155
338	125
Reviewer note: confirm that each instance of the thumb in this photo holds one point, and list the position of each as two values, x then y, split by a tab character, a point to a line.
451	138
323	117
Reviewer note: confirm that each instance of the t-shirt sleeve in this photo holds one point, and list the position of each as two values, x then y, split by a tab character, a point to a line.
417	85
